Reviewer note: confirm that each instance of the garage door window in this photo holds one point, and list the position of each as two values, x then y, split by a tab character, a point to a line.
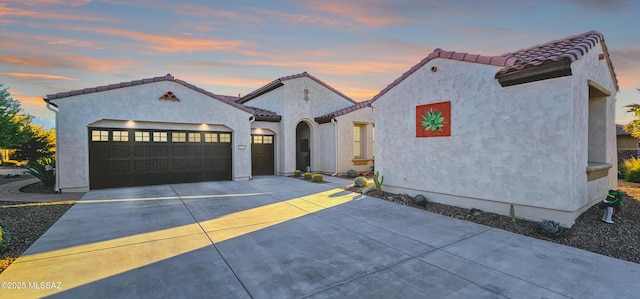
97	135
159	136
225	137
142	136
194	137
122	136
210	137
178	137
260	139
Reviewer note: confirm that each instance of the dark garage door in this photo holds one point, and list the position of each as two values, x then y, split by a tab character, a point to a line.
122	158
262	155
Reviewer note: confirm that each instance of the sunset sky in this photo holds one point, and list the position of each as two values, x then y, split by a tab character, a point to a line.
235	47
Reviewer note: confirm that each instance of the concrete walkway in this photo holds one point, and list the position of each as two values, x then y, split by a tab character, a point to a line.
11	192
279	237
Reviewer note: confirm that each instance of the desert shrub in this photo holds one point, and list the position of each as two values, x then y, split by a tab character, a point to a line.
631	170
4	238
351	173
307	175
318	177
297	173
633	176
420	200
360	181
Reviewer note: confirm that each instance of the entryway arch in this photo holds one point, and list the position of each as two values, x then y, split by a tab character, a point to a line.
304	145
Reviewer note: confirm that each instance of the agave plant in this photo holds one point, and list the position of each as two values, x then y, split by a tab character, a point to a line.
420	200
43	169
433	121
550	228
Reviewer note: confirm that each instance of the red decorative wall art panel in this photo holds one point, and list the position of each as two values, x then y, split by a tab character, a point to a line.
433	120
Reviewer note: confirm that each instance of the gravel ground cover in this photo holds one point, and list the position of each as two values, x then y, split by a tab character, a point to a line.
25	221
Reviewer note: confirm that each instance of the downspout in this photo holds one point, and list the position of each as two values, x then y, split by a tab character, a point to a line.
56	187
251	120
335	144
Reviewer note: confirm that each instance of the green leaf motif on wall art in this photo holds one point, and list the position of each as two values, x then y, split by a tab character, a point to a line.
433	121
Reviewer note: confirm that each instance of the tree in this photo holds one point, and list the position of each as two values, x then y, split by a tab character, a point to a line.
14	124
41	144
633	127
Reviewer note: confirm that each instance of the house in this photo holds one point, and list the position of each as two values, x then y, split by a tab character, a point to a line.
628	146
533	129
165	130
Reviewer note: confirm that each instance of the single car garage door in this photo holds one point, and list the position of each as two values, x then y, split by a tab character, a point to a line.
262	155
123	157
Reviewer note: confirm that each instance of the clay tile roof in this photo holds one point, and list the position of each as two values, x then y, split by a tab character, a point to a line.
327	117
569	48
278	83
259	114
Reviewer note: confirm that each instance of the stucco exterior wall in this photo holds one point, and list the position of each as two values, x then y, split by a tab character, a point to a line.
326	149
321	101
590	67
346	122
507	146
288	101
141	105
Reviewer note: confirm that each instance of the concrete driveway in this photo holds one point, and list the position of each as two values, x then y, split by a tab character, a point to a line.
278	237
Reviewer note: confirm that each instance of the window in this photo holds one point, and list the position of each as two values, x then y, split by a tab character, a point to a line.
267	139
225	137
97	135
357	140
159	136
142	136
210	137
120	136
373	141
178	137
257	139
194	137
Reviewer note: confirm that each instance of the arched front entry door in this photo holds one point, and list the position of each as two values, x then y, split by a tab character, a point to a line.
303	146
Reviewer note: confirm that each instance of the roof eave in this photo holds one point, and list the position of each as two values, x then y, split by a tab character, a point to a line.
267	88
48	101
276	118
545	71
324	119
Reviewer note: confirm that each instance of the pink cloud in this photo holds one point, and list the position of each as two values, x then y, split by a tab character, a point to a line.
14	12
49	2
368	14
208	13
171	44
63	61
304	19
36	76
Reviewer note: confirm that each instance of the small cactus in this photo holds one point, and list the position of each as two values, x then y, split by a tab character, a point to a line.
307	175
377	181
550	228
352	173
420	200
360	181
297	173
317	178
